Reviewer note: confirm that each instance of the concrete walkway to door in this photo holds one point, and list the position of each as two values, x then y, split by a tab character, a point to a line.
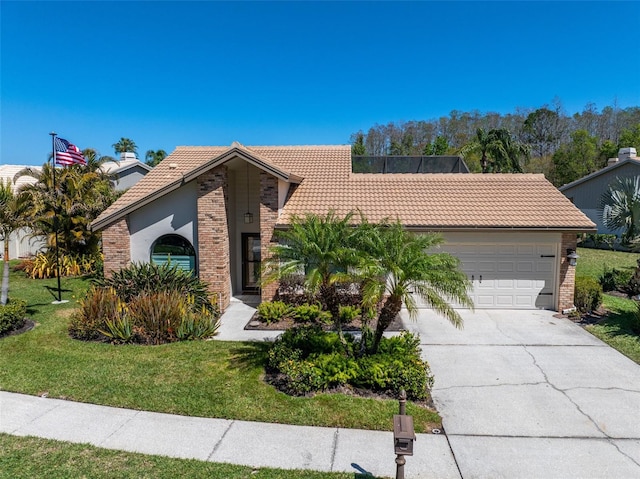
524	394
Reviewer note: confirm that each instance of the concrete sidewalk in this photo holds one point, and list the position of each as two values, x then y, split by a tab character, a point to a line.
219	440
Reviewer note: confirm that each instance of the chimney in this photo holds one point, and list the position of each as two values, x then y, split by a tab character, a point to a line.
626	153
612	161
127	156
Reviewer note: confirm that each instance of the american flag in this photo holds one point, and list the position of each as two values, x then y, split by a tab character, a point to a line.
68	154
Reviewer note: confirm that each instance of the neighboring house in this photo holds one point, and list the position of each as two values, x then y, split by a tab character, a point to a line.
218	207
21	242
126	173
586	192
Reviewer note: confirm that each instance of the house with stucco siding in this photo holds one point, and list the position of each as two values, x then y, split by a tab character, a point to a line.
218	207
586	192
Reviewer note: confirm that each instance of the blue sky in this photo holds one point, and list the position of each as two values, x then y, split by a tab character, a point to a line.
209	73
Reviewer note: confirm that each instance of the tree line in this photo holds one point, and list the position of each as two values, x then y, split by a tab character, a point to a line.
543	140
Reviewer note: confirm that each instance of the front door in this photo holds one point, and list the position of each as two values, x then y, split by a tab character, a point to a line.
250	262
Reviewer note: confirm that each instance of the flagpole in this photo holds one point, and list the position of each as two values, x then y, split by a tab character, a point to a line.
55	216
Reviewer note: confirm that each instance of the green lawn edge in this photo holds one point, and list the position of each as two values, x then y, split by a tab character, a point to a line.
615	329
29	457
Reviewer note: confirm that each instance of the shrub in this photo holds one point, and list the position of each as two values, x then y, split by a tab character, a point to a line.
43	265
615	279
633	286
119	330
198	326
397	366
292	291
99	306
139	278
310	313
272	311
300	377
348	314
308	359
12	315
588	294
635	320
335	369
600	241
157	316
149	318
349	294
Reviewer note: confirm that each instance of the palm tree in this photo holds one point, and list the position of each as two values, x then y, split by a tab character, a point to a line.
154	157
319	247
125	145
11	210
396	266
498	145
620	207
80	195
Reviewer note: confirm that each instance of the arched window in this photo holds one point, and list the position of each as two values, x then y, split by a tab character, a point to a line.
174	249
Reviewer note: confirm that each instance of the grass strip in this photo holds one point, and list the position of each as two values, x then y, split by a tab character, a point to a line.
28	457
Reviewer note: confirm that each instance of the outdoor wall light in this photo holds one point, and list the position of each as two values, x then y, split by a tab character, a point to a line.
572	257
248	216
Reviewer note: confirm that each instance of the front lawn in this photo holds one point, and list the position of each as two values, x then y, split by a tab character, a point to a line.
592	262
28	457
206	379
615	329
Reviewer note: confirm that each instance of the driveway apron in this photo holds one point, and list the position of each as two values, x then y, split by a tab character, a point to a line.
524	394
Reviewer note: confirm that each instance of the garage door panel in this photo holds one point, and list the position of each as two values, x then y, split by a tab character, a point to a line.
486	266
485	301
504	301
524	300
546	250
525	266
544	267
506	266
524	283
509	275
526	250
486	249
507	250
503	283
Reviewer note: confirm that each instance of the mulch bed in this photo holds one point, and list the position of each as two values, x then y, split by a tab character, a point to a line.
594	317
27	325
287	323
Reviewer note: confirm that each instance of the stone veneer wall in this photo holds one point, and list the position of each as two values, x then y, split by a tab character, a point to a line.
116	246
567	273
213	233
268	219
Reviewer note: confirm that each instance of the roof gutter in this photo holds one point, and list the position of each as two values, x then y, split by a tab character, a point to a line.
421	228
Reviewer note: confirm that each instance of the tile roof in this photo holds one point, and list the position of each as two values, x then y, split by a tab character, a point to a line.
114	168
447	200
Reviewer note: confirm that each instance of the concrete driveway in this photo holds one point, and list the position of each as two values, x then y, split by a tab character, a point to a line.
526	395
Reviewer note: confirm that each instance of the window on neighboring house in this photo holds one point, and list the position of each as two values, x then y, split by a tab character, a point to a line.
174	249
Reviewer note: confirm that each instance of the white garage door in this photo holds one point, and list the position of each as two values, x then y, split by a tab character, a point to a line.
509	276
